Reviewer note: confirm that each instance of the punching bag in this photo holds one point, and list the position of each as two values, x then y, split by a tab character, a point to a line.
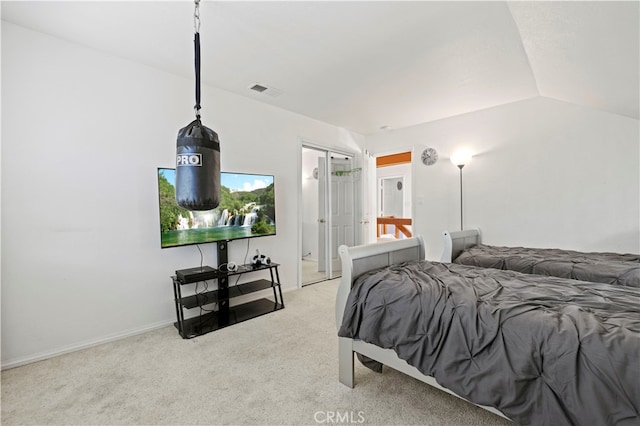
198	167
198	153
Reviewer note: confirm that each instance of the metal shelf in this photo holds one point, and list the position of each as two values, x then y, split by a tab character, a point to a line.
225	315
202	324
208	297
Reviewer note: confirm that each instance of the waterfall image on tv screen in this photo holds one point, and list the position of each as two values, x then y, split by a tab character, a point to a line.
246	210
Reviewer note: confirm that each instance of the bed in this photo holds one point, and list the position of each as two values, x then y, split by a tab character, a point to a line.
466	248
533	349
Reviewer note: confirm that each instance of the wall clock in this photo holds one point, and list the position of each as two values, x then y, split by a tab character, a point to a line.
429	156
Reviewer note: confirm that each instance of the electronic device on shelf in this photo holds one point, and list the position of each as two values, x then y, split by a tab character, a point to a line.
247	209
199	273
229	267
260	259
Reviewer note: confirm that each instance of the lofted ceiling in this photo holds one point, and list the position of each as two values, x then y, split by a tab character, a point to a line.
366	65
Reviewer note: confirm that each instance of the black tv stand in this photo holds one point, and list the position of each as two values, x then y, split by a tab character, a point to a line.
213	305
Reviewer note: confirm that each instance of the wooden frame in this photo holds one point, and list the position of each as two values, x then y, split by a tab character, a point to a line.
393	159
458	241
356	261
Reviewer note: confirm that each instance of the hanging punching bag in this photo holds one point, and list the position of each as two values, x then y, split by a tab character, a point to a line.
198	167
198	153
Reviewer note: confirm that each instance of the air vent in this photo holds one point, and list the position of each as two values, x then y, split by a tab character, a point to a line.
258	88
271	91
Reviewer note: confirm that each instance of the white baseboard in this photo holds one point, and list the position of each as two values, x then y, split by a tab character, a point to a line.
65	350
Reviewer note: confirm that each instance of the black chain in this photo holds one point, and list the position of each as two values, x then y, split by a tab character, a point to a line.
196	42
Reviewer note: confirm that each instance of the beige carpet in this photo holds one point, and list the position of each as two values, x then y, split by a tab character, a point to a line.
280	368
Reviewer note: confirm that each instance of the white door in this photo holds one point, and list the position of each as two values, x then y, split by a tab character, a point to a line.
334	216
342	209
322	214
366	209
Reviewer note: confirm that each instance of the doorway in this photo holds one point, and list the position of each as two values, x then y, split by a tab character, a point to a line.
393	208
328	211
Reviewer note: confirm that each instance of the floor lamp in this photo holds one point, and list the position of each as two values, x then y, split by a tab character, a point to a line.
460	160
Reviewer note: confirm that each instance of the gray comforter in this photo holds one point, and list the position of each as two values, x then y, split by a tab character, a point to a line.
543	350
610	268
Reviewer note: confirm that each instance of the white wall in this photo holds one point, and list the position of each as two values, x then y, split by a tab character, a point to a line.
545	173
82	135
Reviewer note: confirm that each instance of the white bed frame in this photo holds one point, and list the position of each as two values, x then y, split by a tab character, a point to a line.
360	259
458	241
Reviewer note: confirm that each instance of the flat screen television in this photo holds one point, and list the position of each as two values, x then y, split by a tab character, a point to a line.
247	209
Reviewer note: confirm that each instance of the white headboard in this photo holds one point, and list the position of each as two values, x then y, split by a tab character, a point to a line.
360	259
456	242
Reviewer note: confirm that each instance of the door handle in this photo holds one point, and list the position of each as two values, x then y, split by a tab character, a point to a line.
321	221
364	222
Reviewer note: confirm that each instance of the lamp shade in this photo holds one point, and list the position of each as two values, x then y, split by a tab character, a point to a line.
461	158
